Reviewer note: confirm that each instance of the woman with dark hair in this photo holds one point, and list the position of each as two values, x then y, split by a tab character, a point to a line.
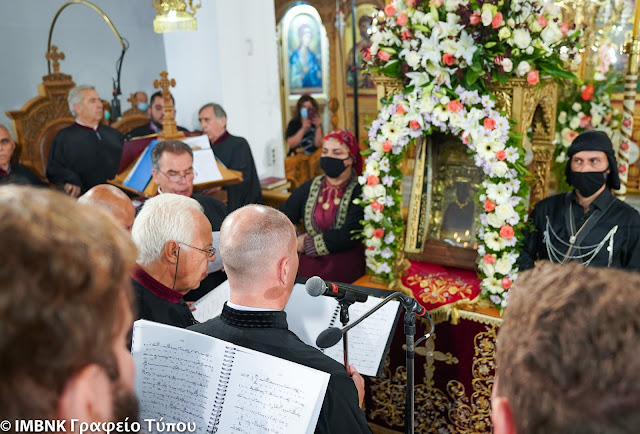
305	129
325	205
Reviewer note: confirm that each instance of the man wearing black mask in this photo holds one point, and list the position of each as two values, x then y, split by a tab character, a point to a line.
588	225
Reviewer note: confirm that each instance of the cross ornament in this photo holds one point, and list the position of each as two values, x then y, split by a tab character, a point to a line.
55	56
132	100
169	129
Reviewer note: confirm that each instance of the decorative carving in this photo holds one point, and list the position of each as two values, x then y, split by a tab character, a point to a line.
386	86
55	56
169	128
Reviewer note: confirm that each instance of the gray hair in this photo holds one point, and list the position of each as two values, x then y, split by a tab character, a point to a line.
75	96
7	129
163	218
252	239
218	111
173	146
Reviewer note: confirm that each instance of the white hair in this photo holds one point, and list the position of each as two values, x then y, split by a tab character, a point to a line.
163	218
75	96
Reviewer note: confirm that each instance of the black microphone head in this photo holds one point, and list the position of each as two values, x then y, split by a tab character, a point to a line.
329	337
315	286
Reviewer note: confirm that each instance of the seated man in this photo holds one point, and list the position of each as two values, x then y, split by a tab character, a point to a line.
235	153
258	246
174	239
172	162
114	201
87	153
142	100
14	173
65	313
567	353
155	111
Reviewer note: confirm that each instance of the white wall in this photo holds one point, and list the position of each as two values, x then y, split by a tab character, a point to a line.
232	60
91	49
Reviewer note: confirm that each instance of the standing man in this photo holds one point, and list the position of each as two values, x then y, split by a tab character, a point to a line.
588	225
65	312
87	153
235	153
258	247
155	111
114	201
13	173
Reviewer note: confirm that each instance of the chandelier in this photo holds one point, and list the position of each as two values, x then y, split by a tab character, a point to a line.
173	16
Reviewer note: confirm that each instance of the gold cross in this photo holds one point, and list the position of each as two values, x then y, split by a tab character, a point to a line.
165	83
55	56
132	100
169	129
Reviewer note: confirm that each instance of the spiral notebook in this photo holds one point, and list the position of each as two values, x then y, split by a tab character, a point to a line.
184	376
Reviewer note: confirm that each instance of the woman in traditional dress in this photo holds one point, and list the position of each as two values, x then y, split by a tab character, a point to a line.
325	206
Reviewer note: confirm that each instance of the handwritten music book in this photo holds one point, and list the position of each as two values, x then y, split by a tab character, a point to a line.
309	316
184	376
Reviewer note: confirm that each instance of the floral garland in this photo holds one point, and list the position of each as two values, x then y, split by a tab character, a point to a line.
448	52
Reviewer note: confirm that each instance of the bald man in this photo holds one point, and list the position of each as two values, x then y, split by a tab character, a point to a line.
114	200
258	248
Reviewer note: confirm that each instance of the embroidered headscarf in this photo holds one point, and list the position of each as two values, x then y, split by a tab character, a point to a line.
349	140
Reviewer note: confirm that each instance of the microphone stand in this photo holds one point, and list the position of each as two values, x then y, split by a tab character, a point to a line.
346	301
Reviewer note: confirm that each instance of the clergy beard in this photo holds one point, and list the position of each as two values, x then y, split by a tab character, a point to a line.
125	404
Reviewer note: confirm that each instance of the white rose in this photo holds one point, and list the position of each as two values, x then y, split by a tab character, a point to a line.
376	146
529	50
367	190
551	33
576	107
504	33
523	68
494	221
511	23
561	158
564	57
502	266
521	38
504	211
379	190
487	269
368	231
486	17
595	120
575	123
372	167
507	64
413	59
562	117
500	168
535	26
445	100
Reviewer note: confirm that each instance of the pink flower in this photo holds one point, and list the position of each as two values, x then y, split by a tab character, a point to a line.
532	77
627	122
402	20
585	121
501	155
542	21
474	19
506	231
569	135
383	55
489	123
373	180
564	28
387	146
622	168
497	20
624	146
366	53
506	283
448	59
378	233
400	110
390	10
406	35
414	125
489	258
436	3
489	205
411	3
377	206
465	137
454	106
498	59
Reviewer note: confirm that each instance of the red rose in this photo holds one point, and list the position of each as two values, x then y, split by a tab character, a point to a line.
506	231
448	59
489	123
378	233
624	146
501	155
506	283
377	206
454	106
387	146
532	78
489	258
474	19
400	110
626	122
489	206
497	20
414	125
366	53
373	180
383	55
622	169
406	35
587	93
402	20
390	10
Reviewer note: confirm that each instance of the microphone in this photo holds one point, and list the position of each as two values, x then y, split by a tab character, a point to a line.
411	304
315	286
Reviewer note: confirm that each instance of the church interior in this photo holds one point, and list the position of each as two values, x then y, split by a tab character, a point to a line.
429	180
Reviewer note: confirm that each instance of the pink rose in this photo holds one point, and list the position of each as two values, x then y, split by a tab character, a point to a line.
542	21
569	135
366	53
390	10
564	28
474	19
506	283
585	121
387	146
448	59
454	106
378	233
377	206
436	3
489	205
406	35
532	77
497	20
400	110
414	125
489	258
373	180
489	123
506	231
402	20
383	55
501	155
411	3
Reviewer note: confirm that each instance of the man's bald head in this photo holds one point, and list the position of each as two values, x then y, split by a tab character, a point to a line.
114	200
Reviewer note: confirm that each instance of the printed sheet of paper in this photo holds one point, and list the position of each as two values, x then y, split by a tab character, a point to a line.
210	306
204	162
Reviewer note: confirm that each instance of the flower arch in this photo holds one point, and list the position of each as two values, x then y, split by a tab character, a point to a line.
448	53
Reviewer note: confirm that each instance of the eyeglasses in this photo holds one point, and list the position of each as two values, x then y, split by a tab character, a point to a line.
210	252
191	173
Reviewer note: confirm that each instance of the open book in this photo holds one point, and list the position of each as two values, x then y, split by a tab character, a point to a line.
309	316
184	376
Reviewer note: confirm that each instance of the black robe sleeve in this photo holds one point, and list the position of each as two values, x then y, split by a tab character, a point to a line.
22	175
58	171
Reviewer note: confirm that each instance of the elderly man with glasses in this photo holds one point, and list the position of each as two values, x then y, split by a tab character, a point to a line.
174	242
172	162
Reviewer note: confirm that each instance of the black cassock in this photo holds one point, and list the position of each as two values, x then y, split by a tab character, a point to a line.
268	332
235	153
607	235
84	157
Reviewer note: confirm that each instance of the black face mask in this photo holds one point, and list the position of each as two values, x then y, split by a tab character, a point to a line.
333	167
588	183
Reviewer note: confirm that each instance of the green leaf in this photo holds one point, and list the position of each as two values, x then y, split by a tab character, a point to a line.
471	76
